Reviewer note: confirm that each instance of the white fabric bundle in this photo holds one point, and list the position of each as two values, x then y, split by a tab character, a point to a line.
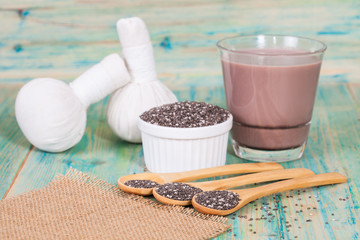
144	91
52	114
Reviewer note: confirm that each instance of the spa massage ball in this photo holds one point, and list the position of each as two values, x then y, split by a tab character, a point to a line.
52	113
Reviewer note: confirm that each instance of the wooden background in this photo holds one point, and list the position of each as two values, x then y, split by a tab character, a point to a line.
62	38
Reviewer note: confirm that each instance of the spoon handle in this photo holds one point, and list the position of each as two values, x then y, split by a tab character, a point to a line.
303	182
220	171
254	178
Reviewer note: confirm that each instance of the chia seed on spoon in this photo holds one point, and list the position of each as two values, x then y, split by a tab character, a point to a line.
219	200
141	183
177	191
186	115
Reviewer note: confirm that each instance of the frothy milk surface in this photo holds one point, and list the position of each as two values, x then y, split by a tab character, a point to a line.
272	105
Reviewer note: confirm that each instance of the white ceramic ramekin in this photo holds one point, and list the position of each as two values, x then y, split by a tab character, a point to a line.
168	149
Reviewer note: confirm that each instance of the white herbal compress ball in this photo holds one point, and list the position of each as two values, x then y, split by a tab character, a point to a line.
52	114
144	91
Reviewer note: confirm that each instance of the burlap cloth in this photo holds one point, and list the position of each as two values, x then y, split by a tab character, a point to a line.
77	206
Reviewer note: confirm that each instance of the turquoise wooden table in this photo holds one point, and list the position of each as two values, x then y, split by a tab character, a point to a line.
62	38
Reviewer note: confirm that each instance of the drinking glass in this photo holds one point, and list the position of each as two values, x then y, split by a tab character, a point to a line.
270	85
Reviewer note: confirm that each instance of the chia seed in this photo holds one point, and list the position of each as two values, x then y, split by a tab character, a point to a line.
219	200
141	183
186	115
177	191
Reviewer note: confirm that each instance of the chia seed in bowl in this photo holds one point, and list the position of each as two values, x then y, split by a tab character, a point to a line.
184	136
186	115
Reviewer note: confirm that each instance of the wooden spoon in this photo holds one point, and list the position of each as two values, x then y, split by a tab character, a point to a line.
188	176
247	195
237	182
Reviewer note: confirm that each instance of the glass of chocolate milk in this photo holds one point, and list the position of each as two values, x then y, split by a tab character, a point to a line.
270	86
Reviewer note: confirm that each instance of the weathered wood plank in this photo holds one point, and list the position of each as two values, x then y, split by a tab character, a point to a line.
99	153
61	39
13	146
333	146
183	45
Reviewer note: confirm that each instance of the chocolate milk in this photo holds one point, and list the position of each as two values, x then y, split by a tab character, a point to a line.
271	105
